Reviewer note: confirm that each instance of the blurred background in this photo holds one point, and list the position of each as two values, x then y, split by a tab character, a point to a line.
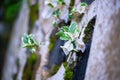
9	10
11	27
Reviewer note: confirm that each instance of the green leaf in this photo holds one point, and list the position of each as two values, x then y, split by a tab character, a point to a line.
28	45
25	39
78	30
30	36
74	45
65	37
83	4
60	33
55	24
73	10
50	5
70	16
57	13
72	27
65	28
33	49
31	41
61	2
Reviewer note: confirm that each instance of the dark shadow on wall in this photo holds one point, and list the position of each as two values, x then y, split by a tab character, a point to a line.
80	69
87	1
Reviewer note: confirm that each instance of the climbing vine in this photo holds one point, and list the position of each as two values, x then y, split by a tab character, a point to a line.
70	33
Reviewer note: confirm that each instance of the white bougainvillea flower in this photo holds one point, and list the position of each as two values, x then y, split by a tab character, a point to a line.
57	4
80	45
75	35
81	9
67	47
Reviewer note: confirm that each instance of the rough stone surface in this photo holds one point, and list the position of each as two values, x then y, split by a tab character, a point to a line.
59	75
103	63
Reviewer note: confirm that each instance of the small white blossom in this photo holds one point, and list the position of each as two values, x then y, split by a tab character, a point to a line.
81	9
67	47
80	45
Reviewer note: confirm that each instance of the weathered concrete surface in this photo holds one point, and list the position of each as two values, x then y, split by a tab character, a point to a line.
103	63
59	75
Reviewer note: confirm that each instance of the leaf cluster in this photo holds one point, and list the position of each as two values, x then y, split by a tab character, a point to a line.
57	13
61	2
53	3
29	42
74	10
83	4
70	16
67	33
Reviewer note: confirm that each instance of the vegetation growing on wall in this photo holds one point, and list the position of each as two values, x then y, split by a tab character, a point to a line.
33	15
68	72
69	33
89	30
28	73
